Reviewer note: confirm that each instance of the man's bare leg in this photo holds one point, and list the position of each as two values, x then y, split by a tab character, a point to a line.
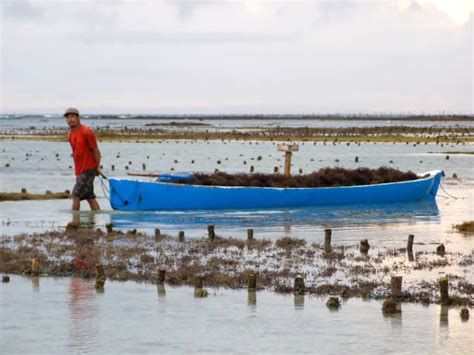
76	203
93	204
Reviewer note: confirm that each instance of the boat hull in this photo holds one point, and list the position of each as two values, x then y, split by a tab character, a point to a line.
133	195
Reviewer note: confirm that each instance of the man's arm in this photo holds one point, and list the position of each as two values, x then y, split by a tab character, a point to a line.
96	153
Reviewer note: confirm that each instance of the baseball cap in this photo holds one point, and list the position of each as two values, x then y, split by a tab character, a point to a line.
72	110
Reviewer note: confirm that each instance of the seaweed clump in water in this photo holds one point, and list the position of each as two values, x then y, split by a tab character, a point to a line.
325	177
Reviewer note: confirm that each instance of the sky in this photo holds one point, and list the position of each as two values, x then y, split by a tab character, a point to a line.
234	57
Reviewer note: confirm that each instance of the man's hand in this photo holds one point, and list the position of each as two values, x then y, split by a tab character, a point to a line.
99	172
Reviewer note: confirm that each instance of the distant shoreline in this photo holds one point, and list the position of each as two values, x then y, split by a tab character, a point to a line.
309	117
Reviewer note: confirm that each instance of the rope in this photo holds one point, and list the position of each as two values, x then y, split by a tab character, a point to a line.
446	192
104	189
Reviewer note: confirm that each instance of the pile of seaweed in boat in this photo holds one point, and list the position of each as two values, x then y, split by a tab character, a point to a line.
325	177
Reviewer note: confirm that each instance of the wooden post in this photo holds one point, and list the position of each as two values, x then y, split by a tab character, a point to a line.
181	236
250	234
210	232
333	303
288	163
34	267
441	250
364	246
109	227
100	278
327	240
444	290
199	291
299	288
411	238
197	281
252	282
157	234
396	286
161	274
288	149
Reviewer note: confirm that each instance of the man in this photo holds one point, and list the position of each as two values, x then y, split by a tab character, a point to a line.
86	157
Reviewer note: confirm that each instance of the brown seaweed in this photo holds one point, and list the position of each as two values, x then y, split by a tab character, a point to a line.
325	177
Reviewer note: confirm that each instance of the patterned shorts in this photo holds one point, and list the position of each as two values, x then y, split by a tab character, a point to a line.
84	187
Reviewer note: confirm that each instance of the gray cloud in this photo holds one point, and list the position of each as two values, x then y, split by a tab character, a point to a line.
186	9
141	38
20	10
180	56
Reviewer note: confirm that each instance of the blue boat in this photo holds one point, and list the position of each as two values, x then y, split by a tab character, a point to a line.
135	195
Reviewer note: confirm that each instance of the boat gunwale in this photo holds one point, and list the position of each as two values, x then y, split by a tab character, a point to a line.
431	174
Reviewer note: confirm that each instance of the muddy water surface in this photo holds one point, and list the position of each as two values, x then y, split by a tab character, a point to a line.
67	315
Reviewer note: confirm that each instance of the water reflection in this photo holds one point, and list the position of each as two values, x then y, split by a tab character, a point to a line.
35	284
299	301
82	219
252	298
443	316
132	321
333	216
82	314
160	288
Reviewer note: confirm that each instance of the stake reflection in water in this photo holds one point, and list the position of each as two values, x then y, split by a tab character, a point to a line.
443	316
252	299
35	285
161	290
299	301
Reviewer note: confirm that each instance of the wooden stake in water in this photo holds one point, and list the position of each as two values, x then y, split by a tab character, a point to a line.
441	250
100	278
364	246
161	274
34	267
181	236
327	240
396	286
252	282
109	227
157	234
210	232
299	288
444	290
411	238
199	291
250	234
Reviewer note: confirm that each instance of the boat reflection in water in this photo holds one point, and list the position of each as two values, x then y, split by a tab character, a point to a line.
284	219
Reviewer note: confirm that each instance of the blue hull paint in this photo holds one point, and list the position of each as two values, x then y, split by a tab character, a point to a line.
132	195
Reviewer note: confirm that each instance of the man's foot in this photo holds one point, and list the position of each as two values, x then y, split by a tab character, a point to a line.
72	226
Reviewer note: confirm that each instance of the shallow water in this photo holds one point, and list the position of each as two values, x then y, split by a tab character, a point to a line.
40	166
384	226
66	315
35	124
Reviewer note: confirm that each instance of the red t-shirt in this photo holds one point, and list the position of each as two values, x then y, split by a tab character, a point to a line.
83	143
